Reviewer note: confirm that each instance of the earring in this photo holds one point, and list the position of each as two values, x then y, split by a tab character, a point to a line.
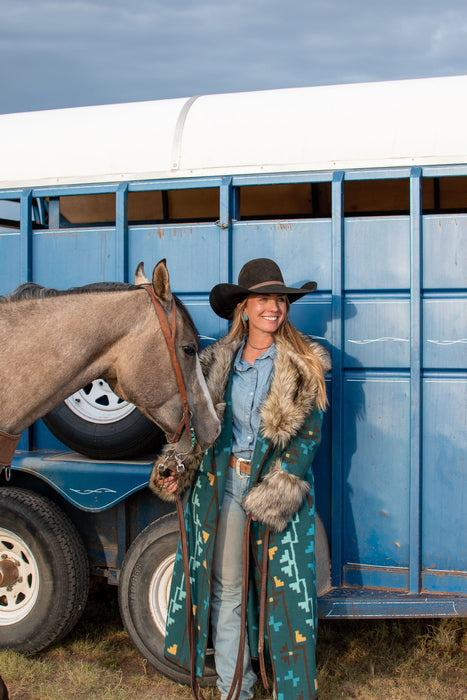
245	317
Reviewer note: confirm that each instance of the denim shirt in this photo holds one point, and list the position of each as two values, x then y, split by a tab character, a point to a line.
250	385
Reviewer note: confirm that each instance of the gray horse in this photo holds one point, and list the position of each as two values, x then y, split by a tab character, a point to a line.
55	342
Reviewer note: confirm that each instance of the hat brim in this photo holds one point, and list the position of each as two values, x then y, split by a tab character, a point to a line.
224	297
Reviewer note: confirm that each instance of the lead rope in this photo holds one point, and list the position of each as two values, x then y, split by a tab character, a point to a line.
236	686
262	608
185	422
238	673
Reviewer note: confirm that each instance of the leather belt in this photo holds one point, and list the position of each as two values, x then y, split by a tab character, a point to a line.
241	466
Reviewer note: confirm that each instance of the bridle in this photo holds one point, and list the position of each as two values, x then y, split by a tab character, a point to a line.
174	463
169	336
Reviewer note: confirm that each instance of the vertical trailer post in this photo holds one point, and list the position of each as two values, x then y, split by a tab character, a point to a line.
26	236
121	225
337	356
26	273
226	206
415	379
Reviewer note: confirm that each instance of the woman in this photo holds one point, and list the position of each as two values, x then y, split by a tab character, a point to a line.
267	383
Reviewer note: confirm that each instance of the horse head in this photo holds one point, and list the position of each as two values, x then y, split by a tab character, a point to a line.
147	377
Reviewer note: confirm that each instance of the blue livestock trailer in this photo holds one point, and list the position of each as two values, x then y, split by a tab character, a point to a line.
362	188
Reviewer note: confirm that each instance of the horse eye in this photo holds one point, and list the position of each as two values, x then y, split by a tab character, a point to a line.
189	350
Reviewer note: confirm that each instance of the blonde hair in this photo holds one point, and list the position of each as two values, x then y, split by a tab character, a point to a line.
292	337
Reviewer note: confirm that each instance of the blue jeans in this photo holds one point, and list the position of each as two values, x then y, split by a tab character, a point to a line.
227	588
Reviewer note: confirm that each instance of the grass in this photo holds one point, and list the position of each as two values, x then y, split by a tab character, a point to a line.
368	660
394	659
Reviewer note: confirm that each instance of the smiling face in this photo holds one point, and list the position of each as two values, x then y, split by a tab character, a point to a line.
266	312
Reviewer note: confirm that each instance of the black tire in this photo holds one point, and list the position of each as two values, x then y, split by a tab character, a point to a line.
3	690
144	588
94	431
48	593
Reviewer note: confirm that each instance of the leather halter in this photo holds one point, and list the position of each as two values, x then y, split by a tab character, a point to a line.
169	336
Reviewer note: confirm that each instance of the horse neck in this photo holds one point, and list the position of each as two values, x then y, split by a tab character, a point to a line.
52	347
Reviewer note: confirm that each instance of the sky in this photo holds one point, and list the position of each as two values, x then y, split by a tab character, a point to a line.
69	53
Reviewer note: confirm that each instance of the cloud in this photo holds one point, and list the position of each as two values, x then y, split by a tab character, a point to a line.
78	52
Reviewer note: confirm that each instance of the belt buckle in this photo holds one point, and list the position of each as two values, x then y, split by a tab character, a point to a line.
238	461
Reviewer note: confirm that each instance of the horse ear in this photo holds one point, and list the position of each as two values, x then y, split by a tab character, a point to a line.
161	283
140	277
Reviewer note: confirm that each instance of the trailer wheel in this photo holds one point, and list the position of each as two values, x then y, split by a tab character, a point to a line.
44	572
96	423
144	589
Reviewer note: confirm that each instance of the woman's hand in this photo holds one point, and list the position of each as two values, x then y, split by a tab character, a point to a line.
169	483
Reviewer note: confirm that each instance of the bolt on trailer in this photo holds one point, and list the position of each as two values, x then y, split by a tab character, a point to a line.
362	188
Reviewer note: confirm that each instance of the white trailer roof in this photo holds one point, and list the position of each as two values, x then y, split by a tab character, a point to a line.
364	125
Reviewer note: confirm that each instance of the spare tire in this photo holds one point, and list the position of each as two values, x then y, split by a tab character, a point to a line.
96	423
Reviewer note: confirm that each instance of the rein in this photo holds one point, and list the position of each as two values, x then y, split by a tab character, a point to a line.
185	422
174	464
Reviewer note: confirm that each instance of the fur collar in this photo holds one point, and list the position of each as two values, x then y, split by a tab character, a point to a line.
292	393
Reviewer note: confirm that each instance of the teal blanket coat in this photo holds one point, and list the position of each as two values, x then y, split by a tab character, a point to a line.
282	496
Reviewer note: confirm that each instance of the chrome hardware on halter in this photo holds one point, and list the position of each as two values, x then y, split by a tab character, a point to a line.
171	463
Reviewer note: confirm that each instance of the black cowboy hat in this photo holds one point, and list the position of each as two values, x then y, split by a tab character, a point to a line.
259	276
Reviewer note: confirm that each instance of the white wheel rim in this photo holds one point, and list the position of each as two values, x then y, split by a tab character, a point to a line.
159	591
97	403
17	600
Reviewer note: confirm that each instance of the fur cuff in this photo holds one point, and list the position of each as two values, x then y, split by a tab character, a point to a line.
191	461
276	499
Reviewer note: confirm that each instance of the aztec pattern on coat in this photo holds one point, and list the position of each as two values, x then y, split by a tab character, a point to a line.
281	495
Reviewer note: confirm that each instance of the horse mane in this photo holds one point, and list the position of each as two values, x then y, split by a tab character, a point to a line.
31	290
